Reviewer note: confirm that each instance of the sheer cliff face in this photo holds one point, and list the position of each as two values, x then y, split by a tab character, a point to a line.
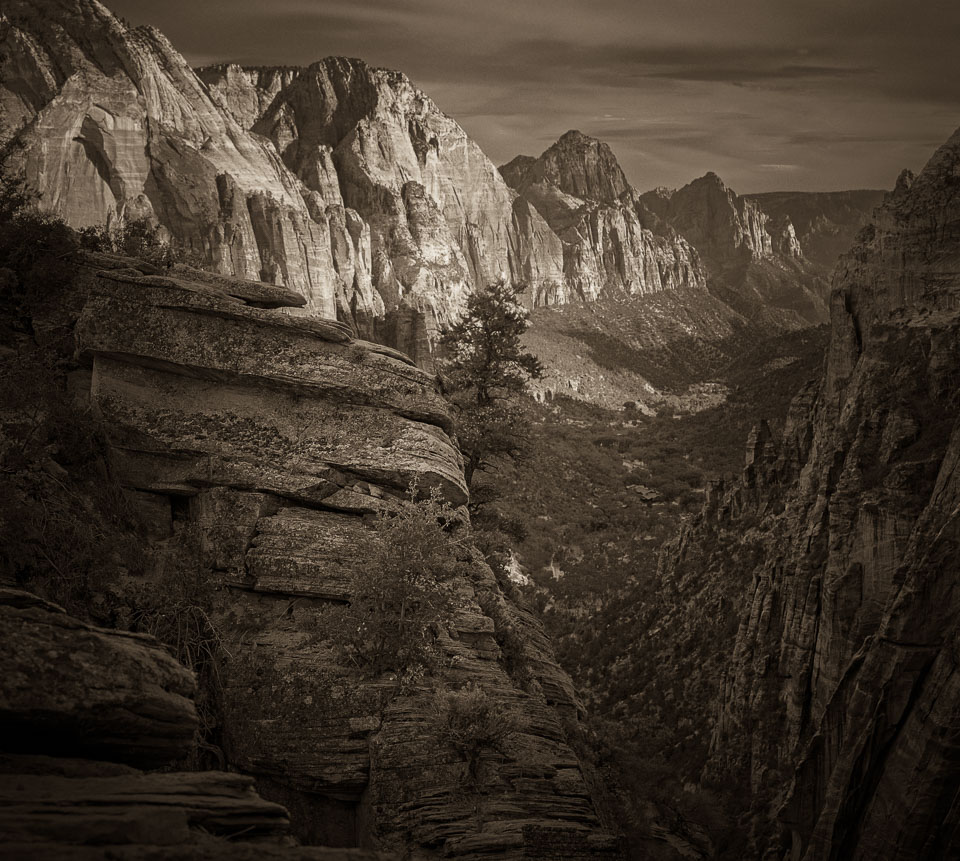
754	262
843	688
725	227
114	122
342	182
441	219
580	191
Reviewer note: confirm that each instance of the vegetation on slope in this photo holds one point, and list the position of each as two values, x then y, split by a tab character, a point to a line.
586	515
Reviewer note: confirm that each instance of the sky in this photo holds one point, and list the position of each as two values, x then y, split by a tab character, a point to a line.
770	95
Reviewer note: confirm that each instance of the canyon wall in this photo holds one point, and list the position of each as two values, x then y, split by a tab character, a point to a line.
839	703
270	443
342	182
826	222
755	261
88	715
579	189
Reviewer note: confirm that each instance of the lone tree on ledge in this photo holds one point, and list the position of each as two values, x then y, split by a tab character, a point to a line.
486	369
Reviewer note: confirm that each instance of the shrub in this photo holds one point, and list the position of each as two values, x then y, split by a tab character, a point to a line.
138	237
65	529
37	251
471	723
403	594
174	604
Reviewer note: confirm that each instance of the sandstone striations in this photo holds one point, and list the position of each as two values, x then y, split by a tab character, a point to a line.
268	442
579	189
83	709
342	182
841	700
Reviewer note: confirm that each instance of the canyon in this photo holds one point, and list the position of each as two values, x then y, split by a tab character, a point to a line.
793	642
838	696
253	448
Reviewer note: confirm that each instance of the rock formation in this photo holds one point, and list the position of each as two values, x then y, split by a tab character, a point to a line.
755	262
826	223
721	224
841	700
579	189
342	182
270	441
83	709
114	123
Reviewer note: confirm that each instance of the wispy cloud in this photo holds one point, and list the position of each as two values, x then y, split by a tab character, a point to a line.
845	94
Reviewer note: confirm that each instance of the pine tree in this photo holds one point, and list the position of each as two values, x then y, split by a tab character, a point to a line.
486	370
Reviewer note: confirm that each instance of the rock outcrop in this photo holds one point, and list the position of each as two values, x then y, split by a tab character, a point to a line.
722	225
842	695
268	442
755	262
826	222
609	248
83	709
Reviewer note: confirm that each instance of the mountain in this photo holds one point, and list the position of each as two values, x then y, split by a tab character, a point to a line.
724	226
755	262
653	345
579	189
110	121
840	693
826	222
342	182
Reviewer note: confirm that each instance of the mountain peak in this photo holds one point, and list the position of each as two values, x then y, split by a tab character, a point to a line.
515	171
576	137
581	166
712	179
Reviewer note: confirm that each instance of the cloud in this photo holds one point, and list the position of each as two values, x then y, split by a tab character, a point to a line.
846	93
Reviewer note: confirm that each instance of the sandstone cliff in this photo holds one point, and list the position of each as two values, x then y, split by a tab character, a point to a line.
579	189
83	710
841	699
722	225
826	223
113	123
342	182
268	441
755	262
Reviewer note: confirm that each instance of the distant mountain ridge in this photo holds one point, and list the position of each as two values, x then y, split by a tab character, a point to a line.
343	182
611	243
754	261
340	181
826	222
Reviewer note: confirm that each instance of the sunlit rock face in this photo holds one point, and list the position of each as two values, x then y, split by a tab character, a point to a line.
842	693
611	243
113	123
344	183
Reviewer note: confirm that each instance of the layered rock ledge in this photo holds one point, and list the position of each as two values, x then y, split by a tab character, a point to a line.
271	440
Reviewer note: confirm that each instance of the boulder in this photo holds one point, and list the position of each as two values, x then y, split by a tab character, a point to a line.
70	687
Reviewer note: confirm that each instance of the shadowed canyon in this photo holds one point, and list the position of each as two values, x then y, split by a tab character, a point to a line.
680	582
